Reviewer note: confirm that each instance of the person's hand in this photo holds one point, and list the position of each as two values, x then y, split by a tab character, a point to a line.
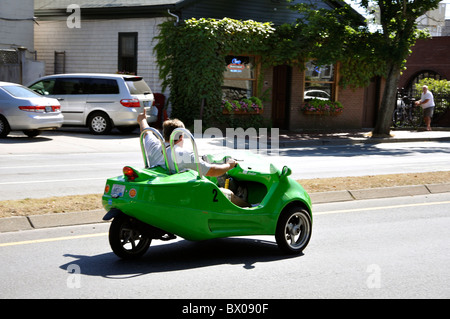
142	116
231	162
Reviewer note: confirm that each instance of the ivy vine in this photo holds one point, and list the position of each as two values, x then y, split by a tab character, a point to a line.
191	57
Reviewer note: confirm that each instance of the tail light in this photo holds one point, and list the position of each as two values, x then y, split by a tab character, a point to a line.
130	173
130	103
40	108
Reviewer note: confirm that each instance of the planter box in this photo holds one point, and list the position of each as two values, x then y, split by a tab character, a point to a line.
242	112
321	113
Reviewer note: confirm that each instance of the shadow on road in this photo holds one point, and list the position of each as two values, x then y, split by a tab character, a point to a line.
69	131
181	255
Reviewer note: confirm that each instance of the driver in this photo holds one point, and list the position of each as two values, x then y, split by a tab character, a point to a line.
153	148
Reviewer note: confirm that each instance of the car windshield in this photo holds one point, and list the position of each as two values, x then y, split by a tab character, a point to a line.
137	85
19	91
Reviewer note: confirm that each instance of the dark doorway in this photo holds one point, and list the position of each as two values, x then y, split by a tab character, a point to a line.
282	75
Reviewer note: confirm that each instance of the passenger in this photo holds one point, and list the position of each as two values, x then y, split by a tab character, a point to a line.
152	145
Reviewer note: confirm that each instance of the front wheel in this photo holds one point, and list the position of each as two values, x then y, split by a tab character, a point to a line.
294	230
127	238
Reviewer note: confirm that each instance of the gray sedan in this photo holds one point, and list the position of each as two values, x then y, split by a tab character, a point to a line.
23	110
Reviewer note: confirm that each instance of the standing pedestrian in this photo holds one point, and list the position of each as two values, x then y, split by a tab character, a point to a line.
427	104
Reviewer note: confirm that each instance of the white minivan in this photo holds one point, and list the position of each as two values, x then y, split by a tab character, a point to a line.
99	101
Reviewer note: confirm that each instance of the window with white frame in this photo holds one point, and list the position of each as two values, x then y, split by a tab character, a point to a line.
319	81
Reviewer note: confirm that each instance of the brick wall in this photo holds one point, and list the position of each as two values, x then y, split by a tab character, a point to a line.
351	117
428	55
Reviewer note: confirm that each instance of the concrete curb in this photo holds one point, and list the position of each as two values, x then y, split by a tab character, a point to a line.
384	192
10	224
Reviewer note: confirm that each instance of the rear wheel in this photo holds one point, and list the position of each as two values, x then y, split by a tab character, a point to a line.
99	123
4	127
31	133
127	238
294	230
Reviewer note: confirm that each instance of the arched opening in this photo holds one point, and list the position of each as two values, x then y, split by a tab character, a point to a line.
410	89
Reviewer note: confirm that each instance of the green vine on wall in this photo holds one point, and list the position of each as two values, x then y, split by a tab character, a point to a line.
191	58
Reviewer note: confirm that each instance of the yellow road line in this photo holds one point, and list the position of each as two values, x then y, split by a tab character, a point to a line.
379	208
45	240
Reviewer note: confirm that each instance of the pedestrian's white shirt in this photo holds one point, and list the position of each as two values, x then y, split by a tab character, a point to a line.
427	96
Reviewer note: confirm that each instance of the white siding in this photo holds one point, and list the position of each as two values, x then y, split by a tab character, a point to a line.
19	32
93	47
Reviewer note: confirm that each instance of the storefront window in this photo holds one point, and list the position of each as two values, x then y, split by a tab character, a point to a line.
239	77
319	82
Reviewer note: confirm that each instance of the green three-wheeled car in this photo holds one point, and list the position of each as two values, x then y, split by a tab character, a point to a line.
151	203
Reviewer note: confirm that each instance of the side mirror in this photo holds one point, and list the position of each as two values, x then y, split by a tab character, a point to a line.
286	171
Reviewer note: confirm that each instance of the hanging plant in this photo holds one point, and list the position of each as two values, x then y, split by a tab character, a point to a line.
252	105
322	107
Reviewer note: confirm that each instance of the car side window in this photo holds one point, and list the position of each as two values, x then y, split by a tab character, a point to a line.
71	86
44	87
3	95
103	86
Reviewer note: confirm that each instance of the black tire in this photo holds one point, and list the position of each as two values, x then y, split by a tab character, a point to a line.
294	230
4	127
31	133
99	123
126	238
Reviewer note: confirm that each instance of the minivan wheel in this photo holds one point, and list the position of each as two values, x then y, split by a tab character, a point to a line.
99	123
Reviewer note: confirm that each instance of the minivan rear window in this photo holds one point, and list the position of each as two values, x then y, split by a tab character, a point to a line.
137	85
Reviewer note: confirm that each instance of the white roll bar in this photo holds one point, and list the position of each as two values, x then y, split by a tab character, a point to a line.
161	140
194	146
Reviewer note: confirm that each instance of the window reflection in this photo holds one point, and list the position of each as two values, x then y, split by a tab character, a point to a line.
319	81
239	77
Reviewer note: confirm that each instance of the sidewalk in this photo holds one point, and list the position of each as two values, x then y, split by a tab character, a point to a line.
290	139
287	139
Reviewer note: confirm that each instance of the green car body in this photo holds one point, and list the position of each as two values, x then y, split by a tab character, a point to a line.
193	207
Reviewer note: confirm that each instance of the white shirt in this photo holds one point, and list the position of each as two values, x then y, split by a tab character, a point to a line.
427	96
153	149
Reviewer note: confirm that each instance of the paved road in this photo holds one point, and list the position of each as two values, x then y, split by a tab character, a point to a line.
72	161
396	248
